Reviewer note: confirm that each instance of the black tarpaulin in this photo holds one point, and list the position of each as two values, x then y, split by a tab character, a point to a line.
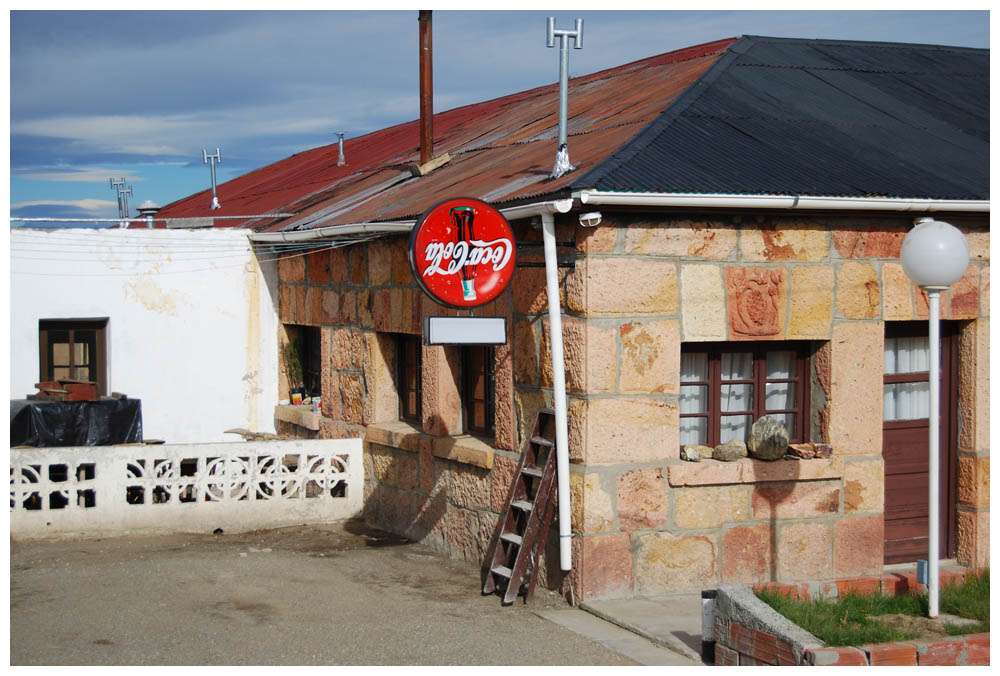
75	423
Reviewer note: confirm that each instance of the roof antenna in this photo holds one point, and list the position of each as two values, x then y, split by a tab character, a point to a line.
563	165
216	157
123	193
341	160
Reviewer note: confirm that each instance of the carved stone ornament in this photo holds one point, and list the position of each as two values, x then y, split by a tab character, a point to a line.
756	301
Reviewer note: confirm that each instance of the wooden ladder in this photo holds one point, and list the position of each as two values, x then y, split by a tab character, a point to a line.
513	562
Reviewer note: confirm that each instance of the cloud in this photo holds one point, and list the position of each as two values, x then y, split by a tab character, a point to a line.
75	174
93	205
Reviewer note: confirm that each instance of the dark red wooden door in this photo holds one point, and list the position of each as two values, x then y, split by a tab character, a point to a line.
905	450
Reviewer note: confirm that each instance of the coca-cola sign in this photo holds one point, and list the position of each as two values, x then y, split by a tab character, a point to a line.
462	252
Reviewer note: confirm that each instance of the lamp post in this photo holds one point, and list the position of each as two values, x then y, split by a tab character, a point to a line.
935	256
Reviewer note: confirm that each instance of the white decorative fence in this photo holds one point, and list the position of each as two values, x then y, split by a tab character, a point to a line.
183	488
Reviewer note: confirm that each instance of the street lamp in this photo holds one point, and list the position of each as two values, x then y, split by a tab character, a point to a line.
935	256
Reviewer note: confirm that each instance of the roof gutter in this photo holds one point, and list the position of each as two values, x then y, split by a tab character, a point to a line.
726	201
332	232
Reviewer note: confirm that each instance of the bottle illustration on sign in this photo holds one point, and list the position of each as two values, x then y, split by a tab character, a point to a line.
462	218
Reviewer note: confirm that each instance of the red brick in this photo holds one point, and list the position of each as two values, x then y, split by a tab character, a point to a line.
862	585
747	661
725	657
844	657
789	590
977	649
752	642
939	653
898	654
896	584
785	655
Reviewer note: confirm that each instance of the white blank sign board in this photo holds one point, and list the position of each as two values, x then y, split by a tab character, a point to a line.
465	330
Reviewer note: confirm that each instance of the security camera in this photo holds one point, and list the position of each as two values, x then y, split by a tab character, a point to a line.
589	220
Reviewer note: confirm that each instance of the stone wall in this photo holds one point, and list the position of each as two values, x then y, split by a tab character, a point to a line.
645	521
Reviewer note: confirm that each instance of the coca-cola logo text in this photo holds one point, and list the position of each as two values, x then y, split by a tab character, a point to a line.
462	252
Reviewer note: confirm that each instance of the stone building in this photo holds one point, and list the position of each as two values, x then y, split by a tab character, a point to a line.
752	197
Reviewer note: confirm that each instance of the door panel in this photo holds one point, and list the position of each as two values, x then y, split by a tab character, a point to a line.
905	452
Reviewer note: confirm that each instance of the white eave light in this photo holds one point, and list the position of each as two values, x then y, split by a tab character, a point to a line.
935	254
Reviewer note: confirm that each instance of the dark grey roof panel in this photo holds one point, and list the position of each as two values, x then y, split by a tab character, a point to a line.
819	118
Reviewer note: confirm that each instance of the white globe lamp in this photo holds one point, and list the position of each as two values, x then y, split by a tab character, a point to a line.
935	256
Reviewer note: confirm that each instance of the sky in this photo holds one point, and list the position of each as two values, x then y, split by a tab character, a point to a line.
139	95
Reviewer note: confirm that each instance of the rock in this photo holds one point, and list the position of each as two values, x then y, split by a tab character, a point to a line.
768	439
694	452
802	450
823	450
733	449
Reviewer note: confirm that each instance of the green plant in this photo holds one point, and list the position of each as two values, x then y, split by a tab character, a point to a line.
969	599
293	363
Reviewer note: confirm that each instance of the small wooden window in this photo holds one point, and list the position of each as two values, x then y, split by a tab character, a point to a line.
73	349
478	389
409	377
726	387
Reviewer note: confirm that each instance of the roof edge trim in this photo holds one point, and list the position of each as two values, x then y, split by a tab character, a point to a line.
730	201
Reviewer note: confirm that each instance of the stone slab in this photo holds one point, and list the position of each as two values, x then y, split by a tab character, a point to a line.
673	621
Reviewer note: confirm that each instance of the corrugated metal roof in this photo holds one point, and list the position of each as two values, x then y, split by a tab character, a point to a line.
749	116
819	117
504	149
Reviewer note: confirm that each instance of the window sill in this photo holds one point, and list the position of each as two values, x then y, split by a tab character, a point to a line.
301	415
750	470
464	449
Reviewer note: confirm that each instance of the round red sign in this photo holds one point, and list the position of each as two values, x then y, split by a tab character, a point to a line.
462	252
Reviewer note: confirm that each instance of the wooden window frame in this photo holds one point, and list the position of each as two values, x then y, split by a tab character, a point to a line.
99	358
403	364
467	390
759	382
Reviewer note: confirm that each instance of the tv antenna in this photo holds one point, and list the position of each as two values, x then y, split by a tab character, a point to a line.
123	195
217	157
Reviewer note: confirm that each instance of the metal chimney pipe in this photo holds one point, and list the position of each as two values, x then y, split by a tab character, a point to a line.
341	160
426	87
148	209
562	164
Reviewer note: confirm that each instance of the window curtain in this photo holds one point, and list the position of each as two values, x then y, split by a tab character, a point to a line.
736	397
694	398
906	401
778	396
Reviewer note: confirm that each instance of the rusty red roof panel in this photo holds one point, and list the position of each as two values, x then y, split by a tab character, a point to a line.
501	151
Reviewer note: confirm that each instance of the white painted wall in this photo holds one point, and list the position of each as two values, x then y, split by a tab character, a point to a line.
192	328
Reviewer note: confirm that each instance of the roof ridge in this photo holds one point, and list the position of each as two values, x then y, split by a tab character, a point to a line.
871	43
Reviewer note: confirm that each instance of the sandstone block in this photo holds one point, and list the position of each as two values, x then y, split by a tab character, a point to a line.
856	388
858	546
338	265
984	292
318	265
897	297
804	551
349	307
811	302
788	500
302	309
703	311
600	239
352	394
747	554
696	239
330	308
858	294
608	572
402	275
756	303
963	297
973	538
598	505
358	264
528	288
651	432
384	466
525	352
869	242
642	500
622	286
650	360
864	487
979	243
469	486
804	451
768	439
974	481
787	241
711	506
292	269
666	564
589	356
734	449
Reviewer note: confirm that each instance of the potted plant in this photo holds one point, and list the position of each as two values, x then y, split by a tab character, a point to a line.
293	371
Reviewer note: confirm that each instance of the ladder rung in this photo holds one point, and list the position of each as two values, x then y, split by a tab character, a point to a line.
532	471
547	411
541	441
523	505
512	537
503	571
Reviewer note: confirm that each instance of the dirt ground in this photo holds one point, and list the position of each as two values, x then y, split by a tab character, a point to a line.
304	595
